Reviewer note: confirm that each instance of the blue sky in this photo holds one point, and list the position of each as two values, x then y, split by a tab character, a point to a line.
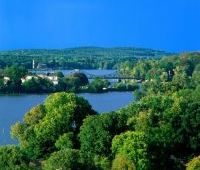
171	25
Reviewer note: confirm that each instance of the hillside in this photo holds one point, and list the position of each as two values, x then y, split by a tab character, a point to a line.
81	58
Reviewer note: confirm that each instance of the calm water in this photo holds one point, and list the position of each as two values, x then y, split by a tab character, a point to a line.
13	108
66	72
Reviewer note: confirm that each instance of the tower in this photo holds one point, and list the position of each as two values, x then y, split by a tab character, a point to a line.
33	64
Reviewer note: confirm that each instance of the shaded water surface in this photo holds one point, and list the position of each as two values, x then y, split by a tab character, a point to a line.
13	108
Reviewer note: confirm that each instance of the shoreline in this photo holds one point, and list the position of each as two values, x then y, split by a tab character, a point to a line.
18	94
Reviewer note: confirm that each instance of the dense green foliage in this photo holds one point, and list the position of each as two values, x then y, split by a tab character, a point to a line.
158	131
133	145
161	69
11	157
97	132
64	159
37	85
125	86
121	162
98	85
76	58
168	110
14	84
75	81
45	124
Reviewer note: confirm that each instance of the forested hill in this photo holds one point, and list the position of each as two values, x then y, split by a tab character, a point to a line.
76	58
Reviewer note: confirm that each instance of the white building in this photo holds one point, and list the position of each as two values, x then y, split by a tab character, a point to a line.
27	78
53	79
6	79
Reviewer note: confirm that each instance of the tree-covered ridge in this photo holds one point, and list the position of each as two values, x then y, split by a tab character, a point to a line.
73	58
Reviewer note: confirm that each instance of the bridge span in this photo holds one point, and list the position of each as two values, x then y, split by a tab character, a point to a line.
114	75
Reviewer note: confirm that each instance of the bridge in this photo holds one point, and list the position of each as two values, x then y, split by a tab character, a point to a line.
113	75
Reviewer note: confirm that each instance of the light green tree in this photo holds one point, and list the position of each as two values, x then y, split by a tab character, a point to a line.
45	124
132	145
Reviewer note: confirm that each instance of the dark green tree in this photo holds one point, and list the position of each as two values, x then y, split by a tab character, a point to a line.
97	132
98	84
14	73
59	74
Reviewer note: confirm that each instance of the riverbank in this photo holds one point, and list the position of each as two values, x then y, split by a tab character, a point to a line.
98	87
17	80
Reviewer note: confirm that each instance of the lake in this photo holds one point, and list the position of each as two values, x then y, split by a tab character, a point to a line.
13	107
